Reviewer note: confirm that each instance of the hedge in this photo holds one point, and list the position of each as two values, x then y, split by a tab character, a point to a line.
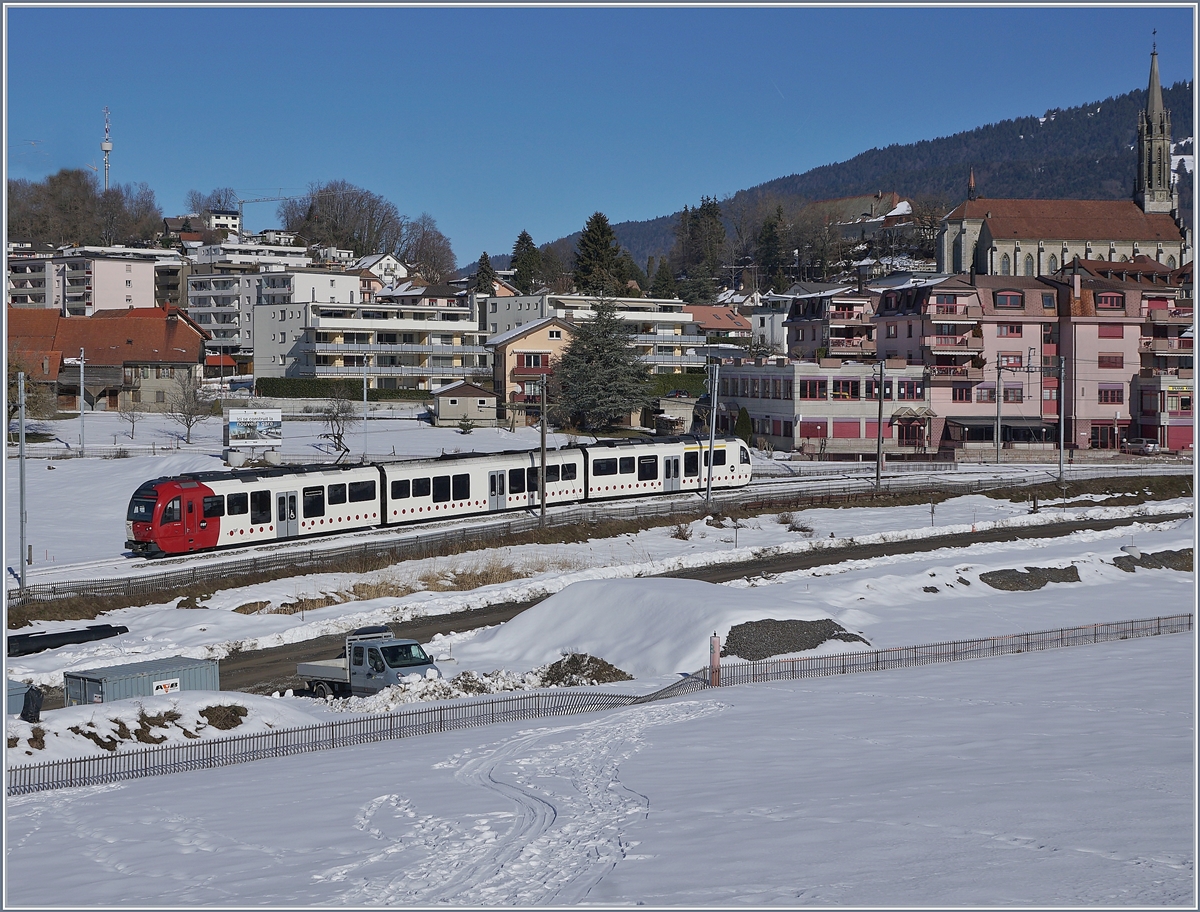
324	388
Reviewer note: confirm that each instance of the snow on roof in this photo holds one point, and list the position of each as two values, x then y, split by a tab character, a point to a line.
517	331
905	208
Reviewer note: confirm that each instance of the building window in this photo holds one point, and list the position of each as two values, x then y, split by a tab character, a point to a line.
1013	394
811	389
909	389
129	283
1008	329
845	389
985	394
910	330
128	267
1005	265
1111	331
160	395
1048	301
1053	263
1110	395
1050	395
892	331
1010	359
961	392
555	334
1170	262
1028	264
136	396
1110	301
128	299
1110	360
1009	299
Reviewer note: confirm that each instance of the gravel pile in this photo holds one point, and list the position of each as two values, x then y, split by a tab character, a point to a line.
1159	560
1030	578
757	640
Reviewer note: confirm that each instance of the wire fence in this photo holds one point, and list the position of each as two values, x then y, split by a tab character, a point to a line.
448	716
416	543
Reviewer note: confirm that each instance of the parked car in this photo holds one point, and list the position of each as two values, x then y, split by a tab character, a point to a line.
1143	446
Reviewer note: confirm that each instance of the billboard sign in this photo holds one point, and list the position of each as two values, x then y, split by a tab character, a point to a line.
255	427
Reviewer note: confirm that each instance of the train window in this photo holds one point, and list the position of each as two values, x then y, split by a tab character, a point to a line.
420	487
532	476
647	468
400	489
626	465
462	487
337	494
238	504
260	506
314	501
569	471
141	509
516	481
170	512
718	457
441	488
551	474
214	506
604	467
191	506
745	456
691	464
362	491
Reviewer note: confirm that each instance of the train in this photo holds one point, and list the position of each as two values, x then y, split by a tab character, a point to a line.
202	511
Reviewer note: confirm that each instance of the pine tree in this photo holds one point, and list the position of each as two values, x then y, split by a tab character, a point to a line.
527	263
599	377
664	281
485	277
596	268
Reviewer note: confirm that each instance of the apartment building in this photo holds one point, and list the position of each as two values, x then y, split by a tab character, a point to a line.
412	337
661	325
81	281
272	257
831	321
221	298
521	358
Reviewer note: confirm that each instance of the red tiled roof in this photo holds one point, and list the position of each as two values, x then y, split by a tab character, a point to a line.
710	317
146	335
219	361
1070	220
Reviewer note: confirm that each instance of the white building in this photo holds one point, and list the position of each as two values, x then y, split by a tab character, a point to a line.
265	256
387	268
224	220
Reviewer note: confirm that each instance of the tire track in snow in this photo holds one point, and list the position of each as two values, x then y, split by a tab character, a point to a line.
565	832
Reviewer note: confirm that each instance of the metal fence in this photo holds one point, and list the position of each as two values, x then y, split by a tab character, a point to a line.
417	542
157	761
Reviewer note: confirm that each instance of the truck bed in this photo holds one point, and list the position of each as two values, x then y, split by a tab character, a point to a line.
324	670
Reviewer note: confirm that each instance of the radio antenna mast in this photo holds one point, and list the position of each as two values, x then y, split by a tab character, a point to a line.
106	147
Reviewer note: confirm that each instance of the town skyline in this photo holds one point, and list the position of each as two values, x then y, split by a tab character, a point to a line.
529	139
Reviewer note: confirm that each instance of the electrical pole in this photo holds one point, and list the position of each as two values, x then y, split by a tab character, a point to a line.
999	401
364	406
21	454
715	369
879	432
542	470
82	402
1062	416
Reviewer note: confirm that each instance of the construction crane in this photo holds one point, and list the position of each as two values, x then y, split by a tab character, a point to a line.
279	199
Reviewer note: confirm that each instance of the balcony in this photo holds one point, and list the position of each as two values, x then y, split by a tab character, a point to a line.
522	371
1172	346
955	343
1178	317
1183	373
853	346
945	372
955	310
847	316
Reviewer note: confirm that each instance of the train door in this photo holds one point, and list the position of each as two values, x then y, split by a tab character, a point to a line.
191	519
287	522
496	498
670	473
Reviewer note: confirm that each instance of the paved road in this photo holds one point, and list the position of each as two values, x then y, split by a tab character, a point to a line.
268	670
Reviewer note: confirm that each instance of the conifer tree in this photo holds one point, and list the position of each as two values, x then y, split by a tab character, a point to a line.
664	281
743	427
527	263
485	277
599	377
596	254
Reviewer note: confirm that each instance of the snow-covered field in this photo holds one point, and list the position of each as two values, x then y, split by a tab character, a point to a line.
1057	778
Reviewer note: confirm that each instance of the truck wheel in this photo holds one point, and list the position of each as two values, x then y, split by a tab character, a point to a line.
322	690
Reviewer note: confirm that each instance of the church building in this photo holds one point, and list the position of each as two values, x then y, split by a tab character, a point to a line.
1034	237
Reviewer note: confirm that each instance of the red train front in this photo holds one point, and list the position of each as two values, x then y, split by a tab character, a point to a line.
167	516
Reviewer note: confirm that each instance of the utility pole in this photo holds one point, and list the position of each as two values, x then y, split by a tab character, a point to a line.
999	401
21	454
1062	416
82	402
879	432
542	469
715	370
364	406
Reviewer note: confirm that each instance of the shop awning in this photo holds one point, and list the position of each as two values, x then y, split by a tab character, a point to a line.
974	421
909	412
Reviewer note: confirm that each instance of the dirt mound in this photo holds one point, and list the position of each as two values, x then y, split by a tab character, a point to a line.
1159	560
224	717
1030	579
757	640
578	669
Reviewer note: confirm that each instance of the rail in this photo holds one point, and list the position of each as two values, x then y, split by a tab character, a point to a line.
420	542
448	716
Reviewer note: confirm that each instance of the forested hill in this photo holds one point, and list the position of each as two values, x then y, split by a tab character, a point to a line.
1085	152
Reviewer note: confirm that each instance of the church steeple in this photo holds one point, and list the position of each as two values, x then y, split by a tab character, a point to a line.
971	192
1153	190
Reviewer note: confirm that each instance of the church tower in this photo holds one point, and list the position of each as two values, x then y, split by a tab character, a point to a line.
1153	188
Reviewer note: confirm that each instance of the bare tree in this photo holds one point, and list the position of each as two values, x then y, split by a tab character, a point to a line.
428	250
131	411
339	415
339	214
221	198
39	397
187	404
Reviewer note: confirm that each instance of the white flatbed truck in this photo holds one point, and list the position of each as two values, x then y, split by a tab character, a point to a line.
372	660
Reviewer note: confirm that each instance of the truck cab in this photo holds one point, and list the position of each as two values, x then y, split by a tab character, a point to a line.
381	662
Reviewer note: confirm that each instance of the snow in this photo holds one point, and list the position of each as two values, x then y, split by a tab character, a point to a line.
1063	777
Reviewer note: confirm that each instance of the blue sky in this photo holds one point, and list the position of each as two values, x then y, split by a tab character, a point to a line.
495	120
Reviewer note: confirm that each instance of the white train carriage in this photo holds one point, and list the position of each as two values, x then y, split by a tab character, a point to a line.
631	468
